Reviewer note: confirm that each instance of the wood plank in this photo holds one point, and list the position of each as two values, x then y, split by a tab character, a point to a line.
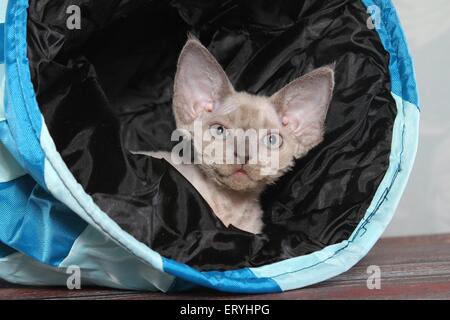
411	268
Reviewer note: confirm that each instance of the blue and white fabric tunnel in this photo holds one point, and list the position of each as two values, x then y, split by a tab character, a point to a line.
84	82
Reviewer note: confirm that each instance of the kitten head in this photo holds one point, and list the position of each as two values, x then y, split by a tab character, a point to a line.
247	141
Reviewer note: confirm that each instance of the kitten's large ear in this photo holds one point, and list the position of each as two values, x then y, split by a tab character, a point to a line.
200	83
303	104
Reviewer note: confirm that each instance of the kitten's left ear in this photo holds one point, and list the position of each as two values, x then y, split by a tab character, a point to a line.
303	105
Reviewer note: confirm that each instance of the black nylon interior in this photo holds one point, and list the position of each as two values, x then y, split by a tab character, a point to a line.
107	88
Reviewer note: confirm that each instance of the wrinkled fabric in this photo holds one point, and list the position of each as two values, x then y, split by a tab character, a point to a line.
107	88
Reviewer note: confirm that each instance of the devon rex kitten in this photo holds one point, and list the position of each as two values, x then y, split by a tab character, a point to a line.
292	122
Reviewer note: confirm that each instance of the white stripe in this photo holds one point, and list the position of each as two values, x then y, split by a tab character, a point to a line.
104	263
2	90
3	6
21	269
9	168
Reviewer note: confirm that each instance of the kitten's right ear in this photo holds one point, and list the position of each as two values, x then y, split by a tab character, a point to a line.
200	83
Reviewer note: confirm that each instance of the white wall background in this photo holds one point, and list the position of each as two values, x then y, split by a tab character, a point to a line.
425	206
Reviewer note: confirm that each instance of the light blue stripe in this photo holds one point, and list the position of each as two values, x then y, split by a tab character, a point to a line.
21	269
9	168
403	79
8	142
3	6
2	92
333	260
2	42
105	263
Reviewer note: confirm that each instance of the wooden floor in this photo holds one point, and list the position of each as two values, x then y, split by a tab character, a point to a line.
411	268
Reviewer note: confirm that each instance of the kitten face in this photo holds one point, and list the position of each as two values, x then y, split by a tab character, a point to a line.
247	141
256	148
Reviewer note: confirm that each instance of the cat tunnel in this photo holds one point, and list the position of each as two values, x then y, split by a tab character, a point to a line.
85	82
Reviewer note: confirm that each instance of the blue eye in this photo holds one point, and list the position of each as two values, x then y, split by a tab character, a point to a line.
218	131
273	141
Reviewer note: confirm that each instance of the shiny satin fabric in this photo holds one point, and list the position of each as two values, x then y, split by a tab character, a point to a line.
106	89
